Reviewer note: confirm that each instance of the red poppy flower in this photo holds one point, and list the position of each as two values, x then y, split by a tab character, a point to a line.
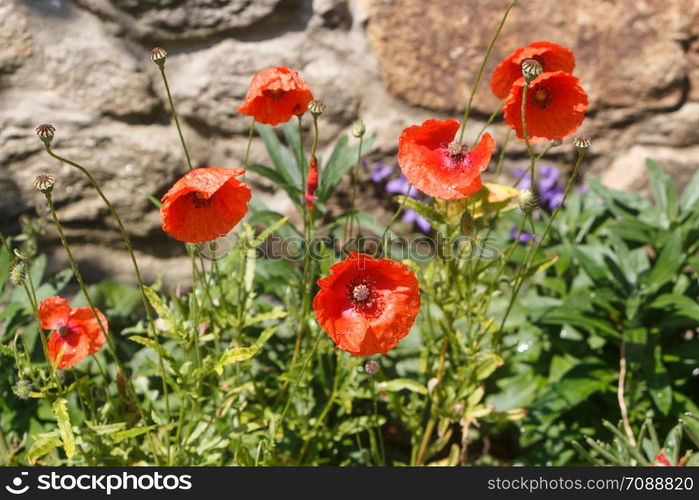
552	57
556	105
76	332
204	204
276	95
439	166
367	305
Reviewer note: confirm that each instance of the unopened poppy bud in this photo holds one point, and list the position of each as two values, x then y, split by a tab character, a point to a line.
316	107
18	274
528	201
468	224
44	183
158	55
372	367
312	184
358	128
45	132
531	68
22	389
582	143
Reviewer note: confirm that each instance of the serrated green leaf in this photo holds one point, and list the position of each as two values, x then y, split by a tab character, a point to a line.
41	448
399	384
117	437
65	429
428	212
235	355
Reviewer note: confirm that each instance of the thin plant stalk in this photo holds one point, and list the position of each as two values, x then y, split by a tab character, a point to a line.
251	132
174	116
134	262
355	177
477	81
519	278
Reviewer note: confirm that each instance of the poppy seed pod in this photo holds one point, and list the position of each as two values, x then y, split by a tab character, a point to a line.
45	132
581	143
44	183
531	68
372	367
316	107
158	55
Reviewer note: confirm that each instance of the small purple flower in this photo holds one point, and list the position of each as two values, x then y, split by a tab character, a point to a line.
411	216
550	190
400	185
525	237
380	172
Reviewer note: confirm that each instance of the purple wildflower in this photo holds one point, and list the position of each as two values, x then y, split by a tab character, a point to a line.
525	237
380	172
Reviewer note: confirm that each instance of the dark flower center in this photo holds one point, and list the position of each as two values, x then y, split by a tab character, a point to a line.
541	96
198	200
63	330
275	94
361	294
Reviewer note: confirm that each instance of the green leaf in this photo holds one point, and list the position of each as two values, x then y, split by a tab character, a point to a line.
278	180
281	159
65	429
341	160
158	304
117	437
42	447
663	189
426	211
486	364
267	232
678	304
235	355
266	316
669	261
690	195
399	384
659	383
690	423
291	134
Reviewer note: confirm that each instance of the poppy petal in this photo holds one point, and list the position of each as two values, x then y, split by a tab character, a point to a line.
53	313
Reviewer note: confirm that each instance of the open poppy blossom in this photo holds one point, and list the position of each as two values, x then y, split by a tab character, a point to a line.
552	57
438	165
366	305
276	95
205	204
76	332
556	105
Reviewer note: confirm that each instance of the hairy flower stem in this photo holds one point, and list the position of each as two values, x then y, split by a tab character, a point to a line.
30	291
377	425
251	132
489	121
532	156
396	214
83	288
429	428
477	81
137	270
174	116
519	278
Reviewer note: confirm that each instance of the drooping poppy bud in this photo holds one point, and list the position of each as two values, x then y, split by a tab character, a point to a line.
312	184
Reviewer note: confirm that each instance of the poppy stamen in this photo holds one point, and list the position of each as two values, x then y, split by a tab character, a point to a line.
199	200
457	149
275	94
362	296
541	97
63	330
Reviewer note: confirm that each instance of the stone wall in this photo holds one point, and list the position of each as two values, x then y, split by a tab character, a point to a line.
83	66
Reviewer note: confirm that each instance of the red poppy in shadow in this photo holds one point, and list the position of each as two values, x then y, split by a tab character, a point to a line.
205	204
76	332
366	305
275	96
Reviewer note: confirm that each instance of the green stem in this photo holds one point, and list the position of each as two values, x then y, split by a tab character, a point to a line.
532	156
396	214
174	115
374	397
247	148
355	176
519	278
467	112
490	120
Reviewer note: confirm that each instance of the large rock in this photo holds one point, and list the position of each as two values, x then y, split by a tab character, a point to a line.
169	20
15	41
629	54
